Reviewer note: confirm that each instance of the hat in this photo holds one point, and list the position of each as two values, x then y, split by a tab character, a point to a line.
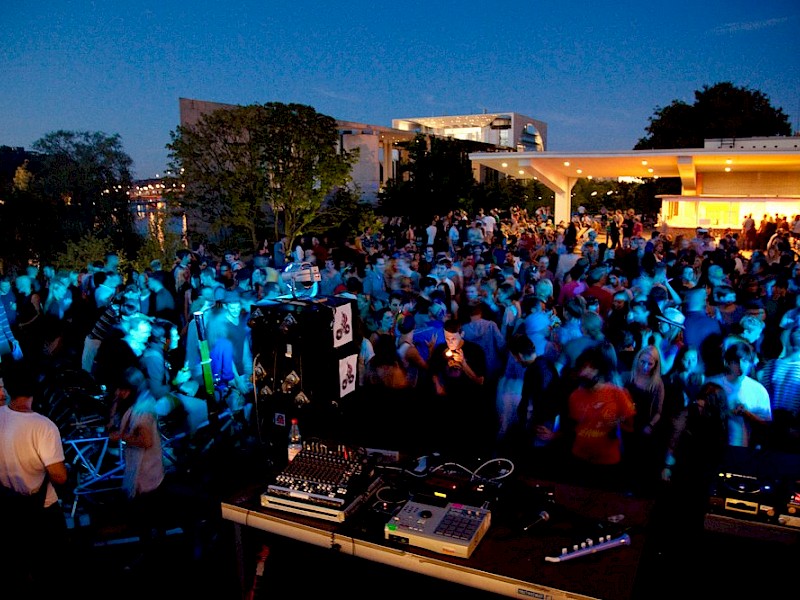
437	310
537	324
672	316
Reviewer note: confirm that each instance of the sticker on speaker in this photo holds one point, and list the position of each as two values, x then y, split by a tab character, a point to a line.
347	374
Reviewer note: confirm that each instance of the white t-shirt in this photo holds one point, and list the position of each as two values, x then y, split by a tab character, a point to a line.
144	467
753	396
489	223
29	442
431	231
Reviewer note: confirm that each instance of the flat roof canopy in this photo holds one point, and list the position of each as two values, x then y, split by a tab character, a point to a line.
635	163
560	170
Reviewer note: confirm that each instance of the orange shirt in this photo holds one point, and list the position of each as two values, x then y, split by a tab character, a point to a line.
596	413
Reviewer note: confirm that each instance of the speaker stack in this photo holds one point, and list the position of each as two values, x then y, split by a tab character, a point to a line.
305	366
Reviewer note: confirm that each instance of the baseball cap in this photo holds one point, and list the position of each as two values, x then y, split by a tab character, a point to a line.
672	316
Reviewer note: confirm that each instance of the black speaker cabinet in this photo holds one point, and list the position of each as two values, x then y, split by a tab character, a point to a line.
306	355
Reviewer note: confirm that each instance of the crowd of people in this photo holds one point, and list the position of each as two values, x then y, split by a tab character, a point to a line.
627	362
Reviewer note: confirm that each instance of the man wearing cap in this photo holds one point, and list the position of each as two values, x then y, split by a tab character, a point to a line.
595	281
668	337
537	324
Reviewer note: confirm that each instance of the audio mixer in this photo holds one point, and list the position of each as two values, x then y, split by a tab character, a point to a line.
322	481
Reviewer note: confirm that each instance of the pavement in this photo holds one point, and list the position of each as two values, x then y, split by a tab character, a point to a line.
194	554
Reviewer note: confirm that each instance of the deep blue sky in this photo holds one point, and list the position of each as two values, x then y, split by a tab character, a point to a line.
593	71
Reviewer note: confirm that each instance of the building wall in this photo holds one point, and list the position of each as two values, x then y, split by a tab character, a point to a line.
191	110
763	183
366	172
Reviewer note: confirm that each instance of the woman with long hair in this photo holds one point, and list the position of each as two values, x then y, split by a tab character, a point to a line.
644	445
385	370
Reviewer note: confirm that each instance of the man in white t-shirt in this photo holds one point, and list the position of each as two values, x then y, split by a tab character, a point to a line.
33	539
748	400
489	225
430	231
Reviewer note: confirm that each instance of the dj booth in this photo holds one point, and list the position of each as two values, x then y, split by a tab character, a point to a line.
546	540
523	538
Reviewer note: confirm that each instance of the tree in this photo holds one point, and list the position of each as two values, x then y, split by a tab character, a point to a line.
248	165
71	186
435	179
83	180
720	111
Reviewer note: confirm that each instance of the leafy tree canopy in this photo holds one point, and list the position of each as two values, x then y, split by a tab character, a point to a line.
72	185
436	178
720	111
248	166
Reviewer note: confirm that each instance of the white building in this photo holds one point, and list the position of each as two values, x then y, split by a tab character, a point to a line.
504	130
720	183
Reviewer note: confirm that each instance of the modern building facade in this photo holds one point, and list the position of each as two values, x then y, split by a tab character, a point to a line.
720	183
504	130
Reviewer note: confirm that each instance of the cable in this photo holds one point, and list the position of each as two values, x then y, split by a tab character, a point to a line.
257	416
497	460
452	464
474	474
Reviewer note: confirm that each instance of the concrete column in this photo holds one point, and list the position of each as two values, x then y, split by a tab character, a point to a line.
387	161
559	184
563	206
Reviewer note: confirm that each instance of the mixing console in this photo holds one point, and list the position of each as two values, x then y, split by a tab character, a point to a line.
321	481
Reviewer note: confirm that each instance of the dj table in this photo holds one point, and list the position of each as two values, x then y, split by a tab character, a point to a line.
521	554
756	495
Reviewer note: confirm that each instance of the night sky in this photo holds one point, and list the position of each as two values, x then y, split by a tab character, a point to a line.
593	71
